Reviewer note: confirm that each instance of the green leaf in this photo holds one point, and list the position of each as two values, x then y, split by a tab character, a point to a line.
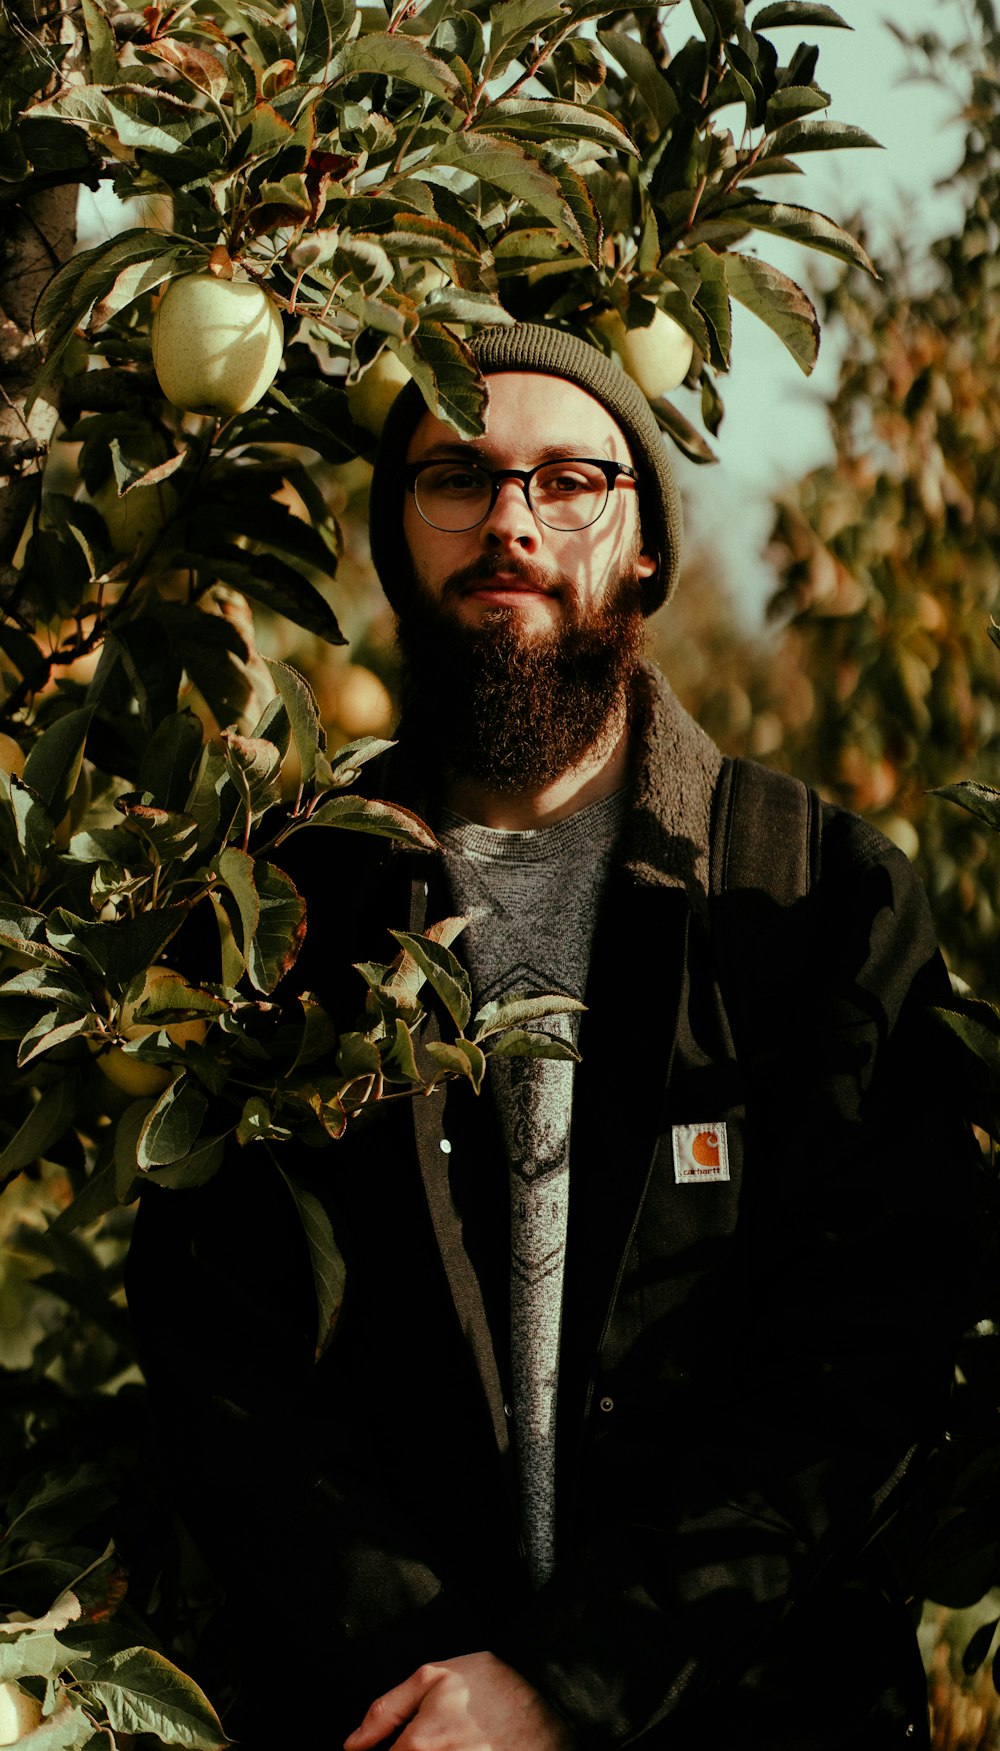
798	224
145	1693
63	1499
979	1031
792	101
33	1656
116	951
712	300
463	1058
532	1043
236	871
686	436
798	12
824	136
360	814
443	972
643	74
530	175
172	1125
530	116
513	24
303	715
517	1011
53	766
402	58
346	764
281	929
101	44
265	578
254	767
169	759
47	1032
24	930
978	799
46	1122
167	834
448	378
324	1257
778	302
322	27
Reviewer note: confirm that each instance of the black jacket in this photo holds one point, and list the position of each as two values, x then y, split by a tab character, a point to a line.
748	1365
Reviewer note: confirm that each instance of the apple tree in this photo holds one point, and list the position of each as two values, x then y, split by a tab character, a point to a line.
313	203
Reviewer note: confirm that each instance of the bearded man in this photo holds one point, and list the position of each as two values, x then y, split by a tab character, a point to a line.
635	1351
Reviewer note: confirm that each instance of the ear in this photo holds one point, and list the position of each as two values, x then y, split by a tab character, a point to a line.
646	564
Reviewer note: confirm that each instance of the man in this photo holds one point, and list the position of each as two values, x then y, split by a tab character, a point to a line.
634	1352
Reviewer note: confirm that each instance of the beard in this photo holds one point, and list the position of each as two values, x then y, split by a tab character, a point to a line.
515	710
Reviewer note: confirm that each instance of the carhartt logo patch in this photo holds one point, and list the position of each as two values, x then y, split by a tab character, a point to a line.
701	1153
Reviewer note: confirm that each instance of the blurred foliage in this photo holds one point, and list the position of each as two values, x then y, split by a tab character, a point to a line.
888	558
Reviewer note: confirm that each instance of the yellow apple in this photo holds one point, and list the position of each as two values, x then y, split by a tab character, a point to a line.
134	521
217	343
363	706
19	1713
11	756
657	358
370	398
133	1075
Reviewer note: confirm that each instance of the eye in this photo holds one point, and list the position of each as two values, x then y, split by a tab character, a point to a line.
454	479
564	480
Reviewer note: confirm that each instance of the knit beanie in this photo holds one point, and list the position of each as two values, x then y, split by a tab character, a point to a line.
531	347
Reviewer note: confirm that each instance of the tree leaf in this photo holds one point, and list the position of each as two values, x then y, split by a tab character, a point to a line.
799	224
281	929
117	951
513	24
402	58
324	1256
52	768
443	972
532	1043
45	1124
686	436
547	121
643	74
526	172
303	715
798	12
236	870
463	1058
712	300
145	1693
323	26
517	1010
822	136
172	1125
978	799
778	302
448	377
366	815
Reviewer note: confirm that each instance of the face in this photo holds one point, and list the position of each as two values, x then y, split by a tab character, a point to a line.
545	578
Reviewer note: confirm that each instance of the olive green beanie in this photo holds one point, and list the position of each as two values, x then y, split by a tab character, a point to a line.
531	347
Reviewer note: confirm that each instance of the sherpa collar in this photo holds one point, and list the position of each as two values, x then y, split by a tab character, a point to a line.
665	840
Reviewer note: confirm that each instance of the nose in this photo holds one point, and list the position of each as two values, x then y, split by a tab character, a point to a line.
510	521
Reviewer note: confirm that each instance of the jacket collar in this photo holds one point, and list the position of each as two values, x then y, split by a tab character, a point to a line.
676	766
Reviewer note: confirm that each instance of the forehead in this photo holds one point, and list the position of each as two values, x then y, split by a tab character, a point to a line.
531	415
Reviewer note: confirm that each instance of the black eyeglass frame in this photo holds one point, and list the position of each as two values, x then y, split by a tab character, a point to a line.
612	472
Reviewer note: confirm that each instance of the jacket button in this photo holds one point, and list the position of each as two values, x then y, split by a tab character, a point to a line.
444	1146
508	1410
607	1404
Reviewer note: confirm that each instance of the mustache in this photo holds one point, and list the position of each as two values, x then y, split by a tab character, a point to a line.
491	565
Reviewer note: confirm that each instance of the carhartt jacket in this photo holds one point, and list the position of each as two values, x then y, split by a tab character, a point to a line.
769	1193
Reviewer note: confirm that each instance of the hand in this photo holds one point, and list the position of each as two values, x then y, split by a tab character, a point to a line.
471	1703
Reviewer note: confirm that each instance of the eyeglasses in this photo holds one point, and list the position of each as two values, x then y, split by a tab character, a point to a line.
568	494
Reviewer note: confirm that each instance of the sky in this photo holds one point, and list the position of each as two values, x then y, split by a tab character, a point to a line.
775	426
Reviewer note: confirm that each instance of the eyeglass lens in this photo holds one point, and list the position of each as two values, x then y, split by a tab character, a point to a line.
563	495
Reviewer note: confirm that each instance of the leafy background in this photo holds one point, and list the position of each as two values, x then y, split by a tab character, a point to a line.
192	635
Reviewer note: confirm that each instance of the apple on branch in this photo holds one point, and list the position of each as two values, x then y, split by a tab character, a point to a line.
217	343
657	357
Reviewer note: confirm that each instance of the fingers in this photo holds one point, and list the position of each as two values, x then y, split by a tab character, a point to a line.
393	1710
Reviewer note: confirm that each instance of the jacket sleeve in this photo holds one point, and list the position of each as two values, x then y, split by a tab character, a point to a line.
709	1506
